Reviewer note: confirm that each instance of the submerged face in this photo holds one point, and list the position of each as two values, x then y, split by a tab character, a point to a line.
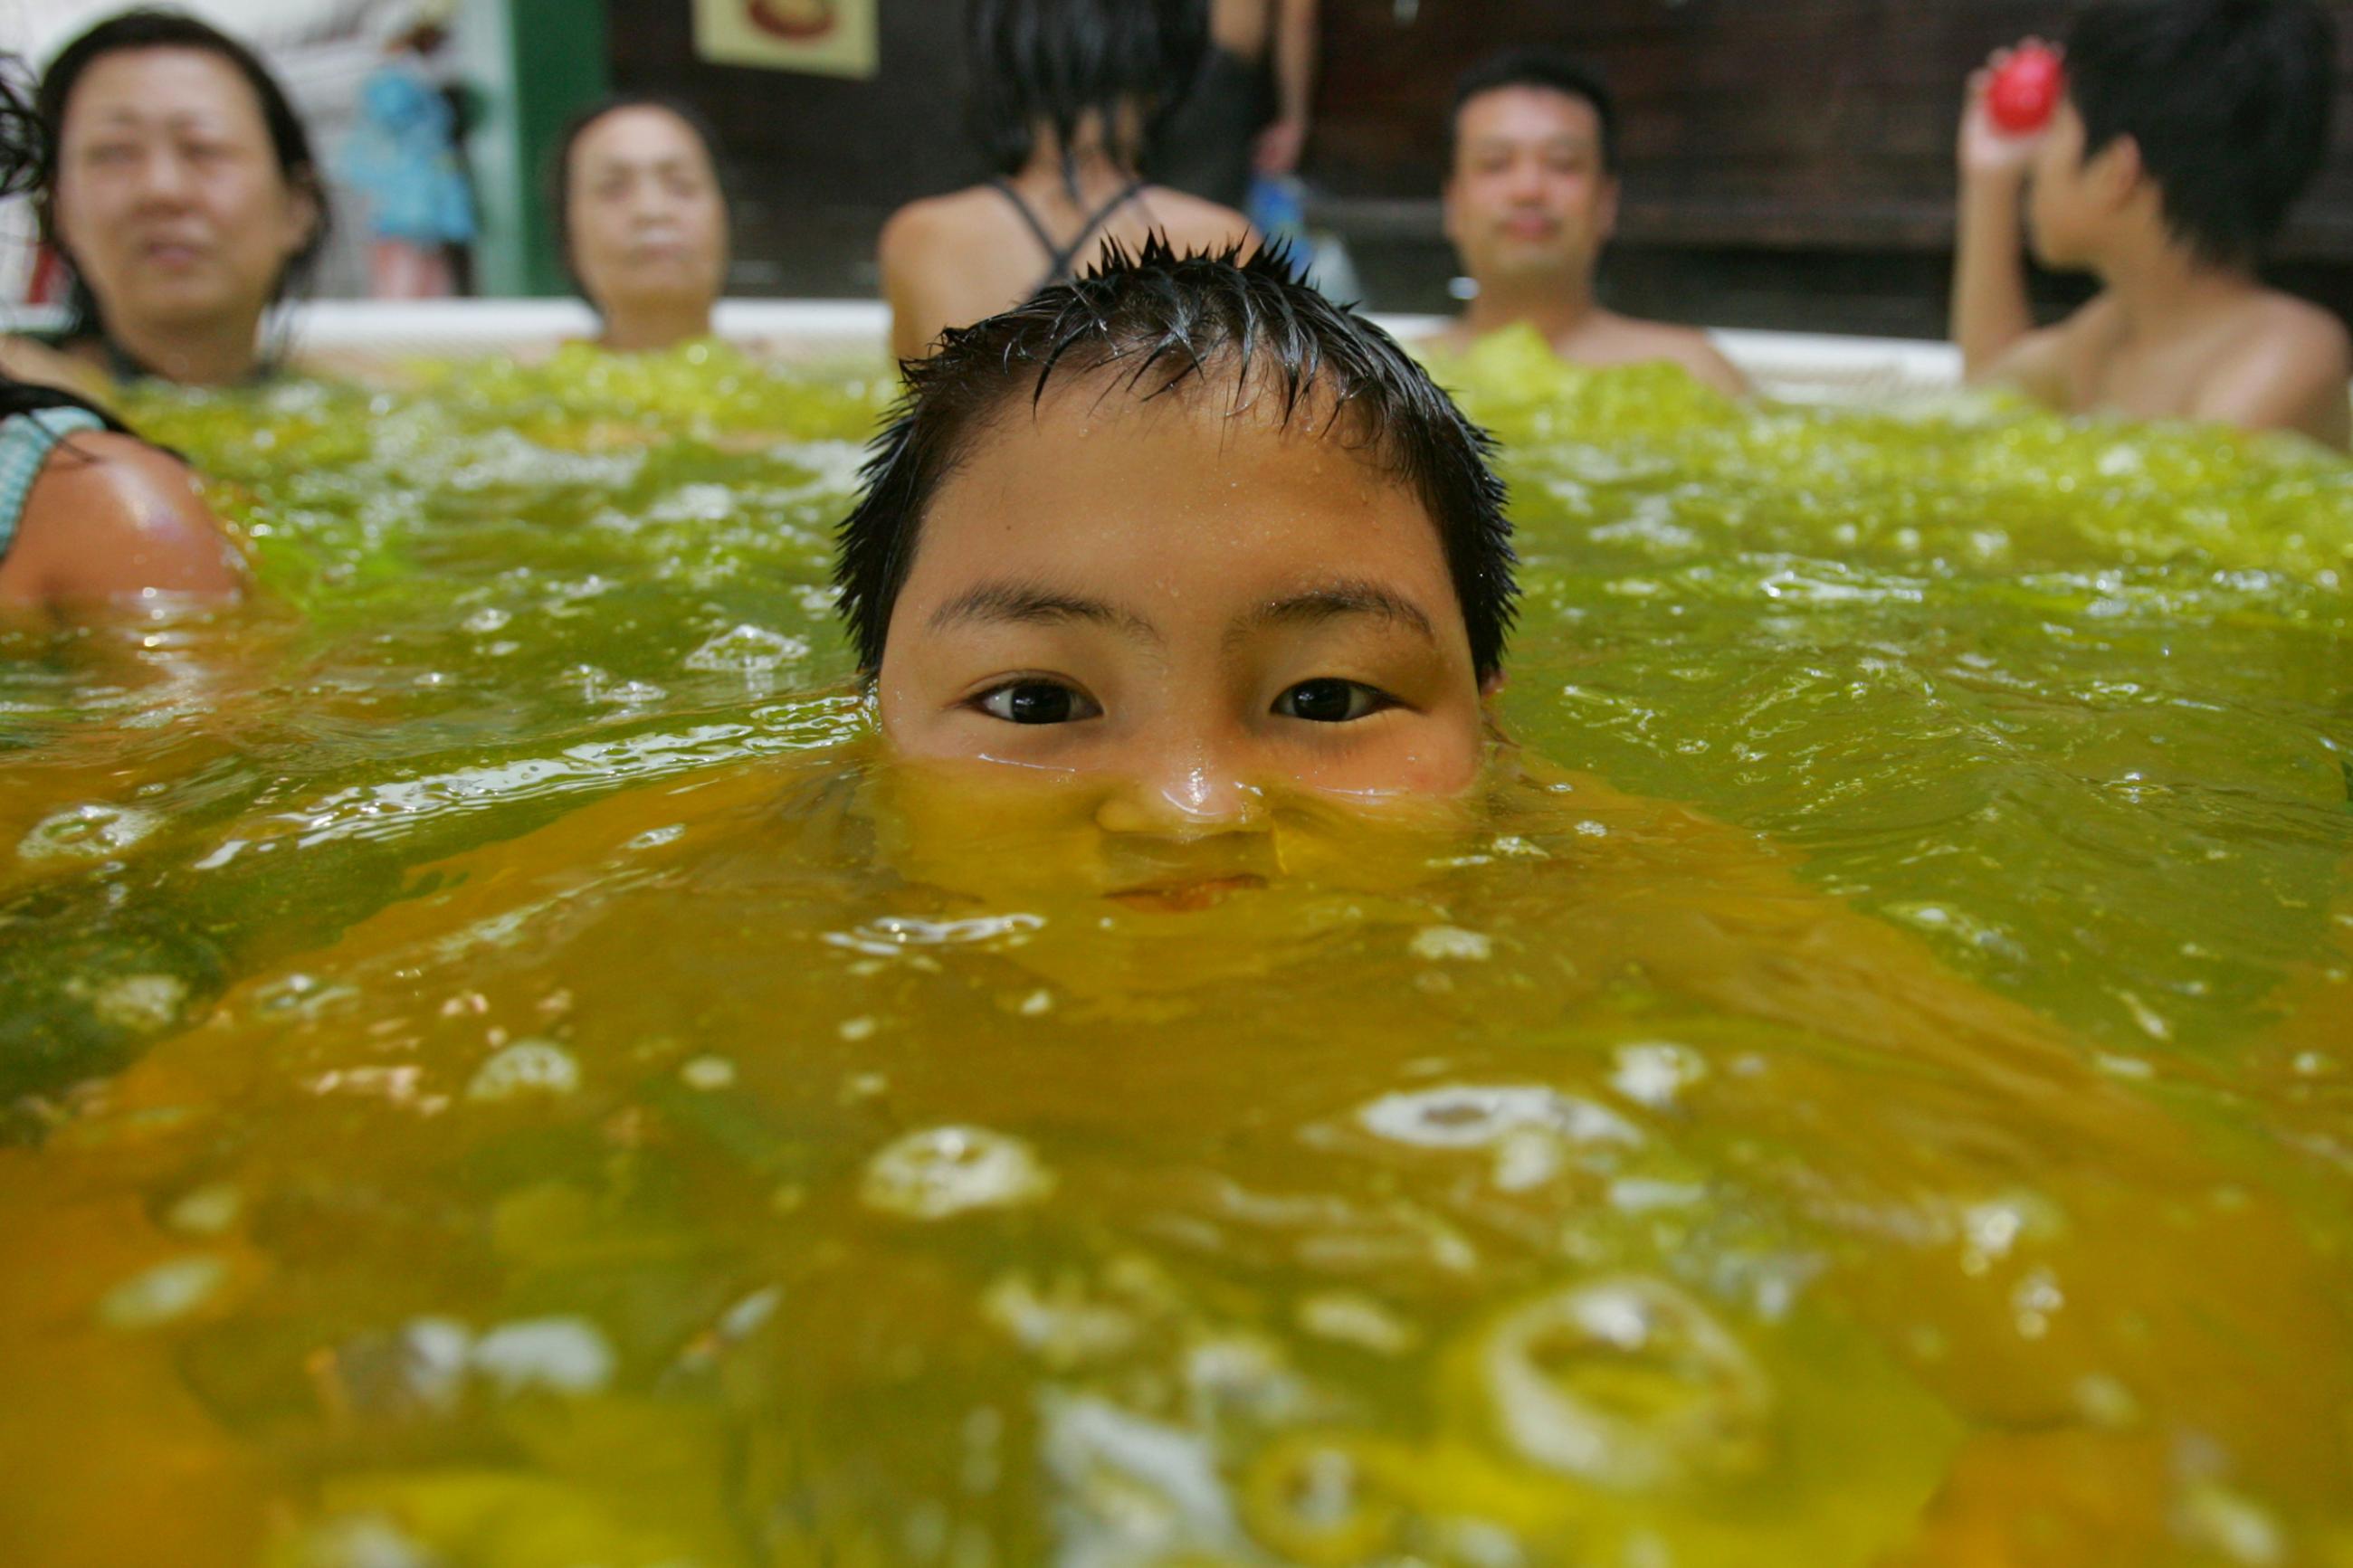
1530	195
1159	629
647	224
169	196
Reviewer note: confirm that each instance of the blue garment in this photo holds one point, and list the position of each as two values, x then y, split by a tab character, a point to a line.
403	157
26	442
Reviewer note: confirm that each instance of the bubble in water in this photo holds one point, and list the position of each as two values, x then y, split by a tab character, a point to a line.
1131	1490
208	1210
1626	1383
140	1004
945	1170
1347	1318
91	832
1440	944
707	1073
561	1355
750	651
163	1294
526	1067
1318	1499
1655	1073
1473	1116
363	1541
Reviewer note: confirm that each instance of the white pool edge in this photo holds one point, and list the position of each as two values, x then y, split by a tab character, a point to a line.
1803	365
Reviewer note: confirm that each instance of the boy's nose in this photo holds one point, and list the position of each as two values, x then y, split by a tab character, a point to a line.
1186	792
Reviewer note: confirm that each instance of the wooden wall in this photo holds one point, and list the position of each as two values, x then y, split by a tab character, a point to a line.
1789	163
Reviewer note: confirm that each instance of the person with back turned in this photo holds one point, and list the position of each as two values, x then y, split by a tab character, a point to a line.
1066	93
2187	130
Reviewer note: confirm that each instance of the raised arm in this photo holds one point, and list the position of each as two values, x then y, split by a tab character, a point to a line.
1990	310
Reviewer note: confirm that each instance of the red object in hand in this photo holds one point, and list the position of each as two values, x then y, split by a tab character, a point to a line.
2026	90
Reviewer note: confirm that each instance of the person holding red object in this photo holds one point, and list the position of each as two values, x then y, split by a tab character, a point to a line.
2173	139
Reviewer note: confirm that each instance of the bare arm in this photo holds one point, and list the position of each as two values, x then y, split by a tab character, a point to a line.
112	518
1990	310
904	253
1282	144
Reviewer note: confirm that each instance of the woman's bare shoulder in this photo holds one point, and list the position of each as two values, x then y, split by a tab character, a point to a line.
24	359
1192	223
111	517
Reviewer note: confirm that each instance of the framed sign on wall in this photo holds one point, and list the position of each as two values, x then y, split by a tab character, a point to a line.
828	37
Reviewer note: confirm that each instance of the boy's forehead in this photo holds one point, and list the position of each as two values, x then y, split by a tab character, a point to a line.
1101	449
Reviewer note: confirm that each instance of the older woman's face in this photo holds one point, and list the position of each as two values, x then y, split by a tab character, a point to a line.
649	229
169	196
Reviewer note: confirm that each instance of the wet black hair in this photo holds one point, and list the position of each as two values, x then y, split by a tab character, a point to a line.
1548	69
144	29
23	156
1154	323
559	162
2226	99
1060	60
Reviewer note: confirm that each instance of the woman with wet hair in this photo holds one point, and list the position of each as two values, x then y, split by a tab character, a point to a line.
1065	97
182	191
643	217
88	513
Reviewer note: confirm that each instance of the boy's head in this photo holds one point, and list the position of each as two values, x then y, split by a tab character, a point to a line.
1531	175
2213	113
1183	529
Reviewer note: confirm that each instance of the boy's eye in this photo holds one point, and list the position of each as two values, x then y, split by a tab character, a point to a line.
1331	702
1038	702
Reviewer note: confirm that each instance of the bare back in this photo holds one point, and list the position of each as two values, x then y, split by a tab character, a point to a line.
2264	362
949	261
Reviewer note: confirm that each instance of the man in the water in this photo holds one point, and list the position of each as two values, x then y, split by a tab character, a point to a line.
1182	539
2189	129
1530	200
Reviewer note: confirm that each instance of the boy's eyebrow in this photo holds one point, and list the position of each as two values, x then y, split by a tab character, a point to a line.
1332	601
1030	603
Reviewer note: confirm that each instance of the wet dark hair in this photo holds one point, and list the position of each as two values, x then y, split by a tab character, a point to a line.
559	162
2226	99
23	156
166	30
1546	69
1060	60
1155	323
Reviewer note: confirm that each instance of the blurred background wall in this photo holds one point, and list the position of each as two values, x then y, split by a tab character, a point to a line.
1789	163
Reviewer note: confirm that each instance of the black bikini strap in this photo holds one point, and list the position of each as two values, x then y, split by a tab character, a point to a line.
1045	239
1059	258
1100	216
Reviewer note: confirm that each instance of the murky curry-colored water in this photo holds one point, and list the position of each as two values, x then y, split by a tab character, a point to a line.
504	1075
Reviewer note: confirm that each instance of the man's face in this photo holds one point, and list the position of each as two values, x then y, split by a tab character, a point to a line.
1529	195
1163	635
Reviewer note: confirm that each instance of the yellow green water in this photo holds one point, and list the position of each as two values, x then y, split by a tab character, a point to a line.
502	1075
